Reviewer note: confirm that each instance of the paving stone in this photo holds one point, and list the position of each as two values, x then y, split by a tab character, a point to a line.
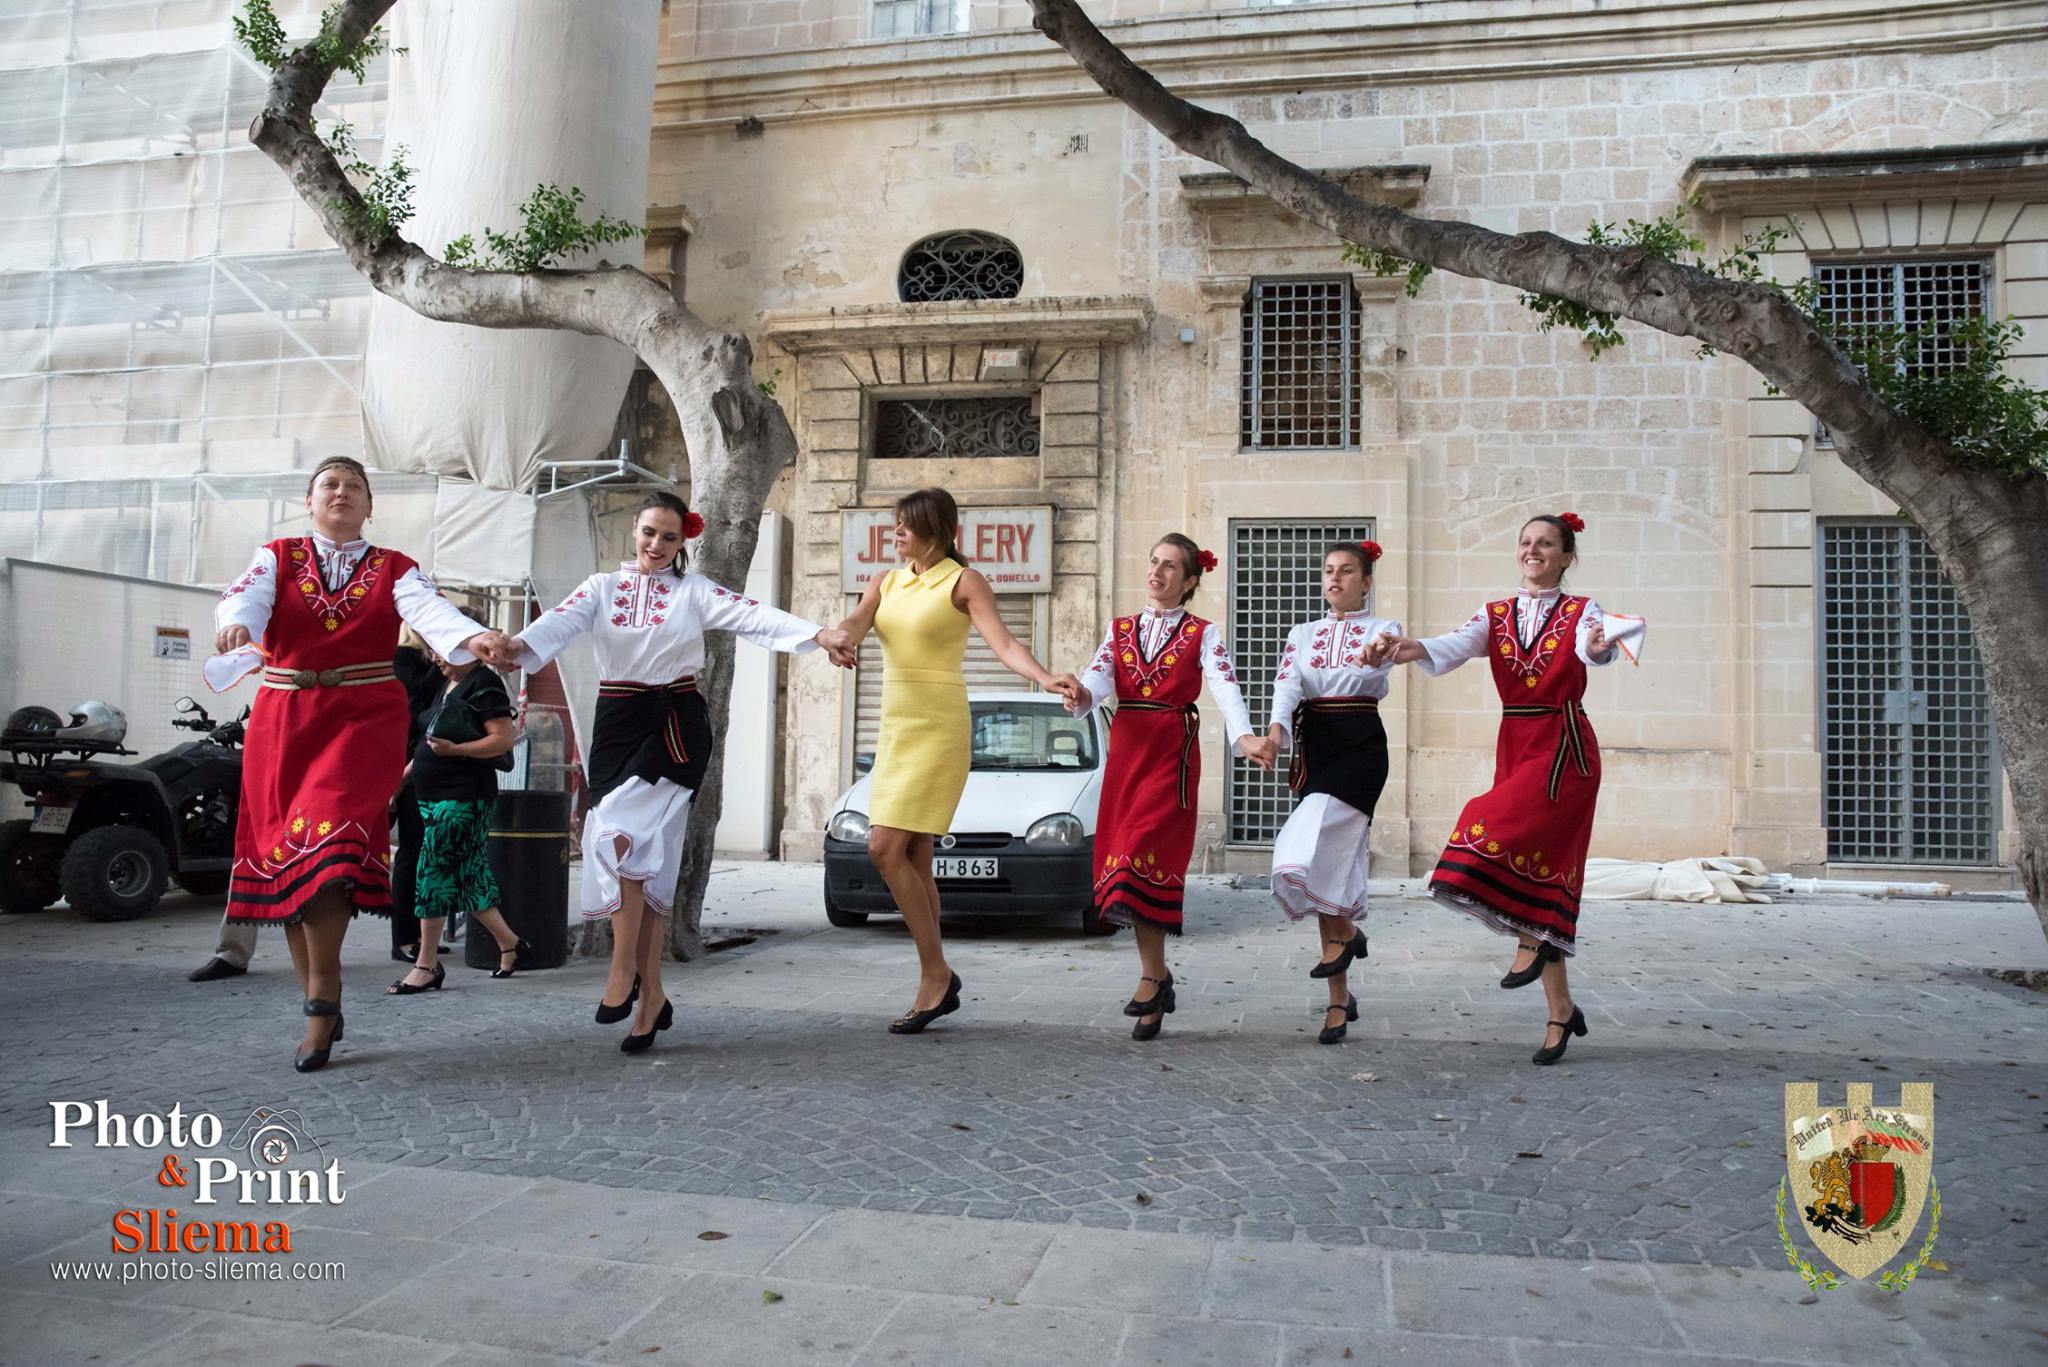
533	1301
945	1331
1322	1347
1442	1293
918	1253
1156	1274
712	1319
46	1329
246	1341
640	1227
1296	1283
1179	1341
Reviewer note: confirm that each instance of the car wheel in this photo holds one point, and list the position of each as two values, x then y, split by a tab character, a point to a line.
204	884
845	920
1093	924
115	873
28	868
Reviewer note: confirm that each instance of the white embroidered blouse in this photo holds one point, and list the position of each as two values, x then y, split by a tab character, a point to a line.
649	628
1468	642
1325	658
249	601
1155	629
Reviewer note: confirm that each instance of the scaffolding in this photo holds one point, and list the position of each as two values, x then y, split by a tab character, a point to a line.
176	329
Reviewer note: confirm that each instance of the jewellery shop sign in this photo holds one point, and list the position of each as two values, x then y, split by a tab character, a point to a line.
1012	547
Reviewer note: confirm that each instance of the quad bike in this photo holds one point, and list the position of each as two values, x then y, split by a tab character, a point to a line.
107	836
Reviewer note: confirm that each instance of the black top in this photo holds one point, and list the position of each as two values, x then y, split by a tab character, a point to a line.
459	715
423	685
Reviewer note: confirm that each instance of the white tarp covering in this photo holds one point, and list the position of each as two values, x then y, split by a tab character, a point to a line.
480	533
1720	879
489	102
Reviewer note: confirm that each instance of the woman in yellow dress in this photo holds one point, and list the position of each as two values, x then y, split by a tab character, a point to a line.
921	612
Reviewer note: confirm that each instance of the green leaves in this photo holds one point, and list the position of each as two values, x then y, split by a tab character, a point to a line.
261	32
551	227
258	29
1384	264
1951	379
385	194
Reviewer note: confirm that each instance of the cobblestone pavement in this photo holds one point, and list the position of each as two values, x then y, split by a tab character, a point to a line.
1657	1140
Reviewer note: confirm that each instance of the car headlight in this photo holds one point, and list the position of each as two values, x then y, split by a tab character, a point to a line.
851	827
1062	832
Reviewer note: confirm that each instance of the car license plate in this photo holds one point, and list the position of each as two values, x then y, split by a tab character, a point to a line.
962	866
51	820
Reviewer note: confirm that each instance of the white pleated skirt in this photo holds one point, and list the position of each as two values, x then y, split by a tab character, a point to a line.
1321	858
652	817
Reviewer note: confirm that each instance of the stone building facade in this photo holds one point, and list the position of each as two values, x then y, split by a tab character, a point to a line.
807	150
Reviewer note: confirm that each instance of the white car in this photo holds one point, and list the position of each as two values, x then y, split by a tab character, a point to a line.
1023	838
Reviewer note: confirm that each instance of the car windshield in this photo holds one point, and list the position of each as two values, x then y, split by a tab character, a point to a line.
1031	735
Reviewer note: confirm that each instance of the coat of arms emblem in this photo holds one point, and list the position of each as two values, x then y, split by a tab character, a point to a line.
1859	1176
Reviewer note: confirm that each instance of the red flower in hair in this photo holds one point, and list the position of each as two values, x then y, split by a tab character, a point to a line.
693	526
1574	521
1206	560
1372	550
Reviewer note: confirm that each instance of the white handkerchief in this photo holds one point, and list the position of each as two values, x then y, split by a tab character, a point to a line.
225	671
1626	632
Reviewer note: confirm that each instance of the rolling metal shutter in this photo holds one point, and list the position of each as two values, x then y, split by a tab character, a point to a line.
1909	761
1276	581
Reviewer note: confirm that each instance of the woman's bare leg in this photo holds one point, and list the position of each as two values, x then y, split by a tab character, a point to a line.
499	929
653	944
295	941
1557	995
422	971
1151	961
904	859
325	926
625	934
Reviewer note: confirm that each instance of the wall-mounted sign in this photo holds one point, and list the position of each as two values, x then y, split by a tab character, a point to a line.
172	643
1012	547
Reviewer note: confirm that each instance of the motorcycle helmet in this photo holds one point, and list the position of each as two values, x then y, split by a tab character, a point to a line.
32	723
96	721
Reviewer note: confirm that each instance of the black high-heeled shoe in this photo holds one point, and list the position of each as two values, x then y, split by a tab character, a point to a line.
1134	1007
1551	1053
634	1044
1332	1033
607	1014
402	988
1354	948
312	1060
916	1021
1522	977
522	954
1162	1003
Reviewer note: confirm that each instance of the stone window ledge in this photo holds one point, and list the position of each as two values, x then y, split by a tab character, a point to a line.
1399	184
1091	318
1774	183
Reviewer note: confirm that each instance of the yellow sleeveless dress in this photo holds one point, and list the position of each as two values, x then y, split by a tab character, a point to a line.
922	755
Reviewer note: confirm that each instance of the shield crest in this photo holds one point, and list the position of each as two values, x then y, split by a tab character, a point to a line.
1858	1173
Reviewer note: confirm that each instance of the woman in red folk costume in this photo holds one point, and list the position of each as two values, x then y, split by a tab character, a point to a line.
327	735
1154	665
1518	853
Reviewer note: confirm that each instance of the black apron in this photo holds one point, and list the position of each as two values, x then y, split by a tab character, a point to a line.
651	732
1340	748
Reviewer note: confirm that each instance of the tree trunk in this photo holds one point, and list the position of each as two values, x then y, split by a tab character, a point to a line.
738	439
1989	531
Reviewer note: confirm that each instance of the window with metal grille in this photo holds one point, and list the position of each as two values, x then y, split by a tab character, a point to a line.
1298	388
934	429
910	18
1909	760
961	265
1929	296
1276	583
